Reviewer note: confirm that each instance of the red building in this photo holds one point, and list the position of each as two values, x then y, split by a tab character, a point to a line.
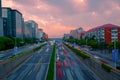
105	33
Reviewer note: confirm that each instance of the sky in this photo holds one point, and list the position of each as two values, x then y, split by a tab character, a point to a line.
57	17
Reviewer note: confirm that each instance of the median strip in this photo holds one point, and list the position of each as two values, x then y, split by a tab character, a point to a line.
78	52
50	74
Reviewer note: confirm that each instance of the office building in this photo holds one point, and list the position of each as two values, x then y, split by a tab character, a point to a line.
7	21
40	33
77	33
17	24
1	21
32	27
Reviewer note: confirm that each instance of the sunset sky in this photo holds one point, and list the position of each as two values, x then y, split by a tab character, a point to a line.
57	17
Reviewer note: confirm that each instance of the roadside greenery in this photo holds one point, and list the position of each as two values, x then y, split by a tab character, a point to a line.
78	52
50	74
93	43
10	42
106	67
26	52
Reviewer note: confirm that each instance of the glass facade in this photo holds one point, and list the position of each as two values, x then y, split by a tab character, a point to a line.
33	28
7	21
17	24
0	9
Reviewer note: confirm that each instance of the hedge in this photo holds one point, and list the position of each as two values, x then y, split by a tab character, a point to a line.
50	74
106	67
78	52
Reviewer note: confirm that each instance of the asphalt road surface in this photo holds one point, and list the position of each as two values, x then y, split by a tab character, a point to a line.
35	68
5	54
69	66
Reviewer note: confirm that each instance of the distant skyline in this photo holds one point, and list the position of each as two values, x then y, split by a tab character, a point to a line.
57	17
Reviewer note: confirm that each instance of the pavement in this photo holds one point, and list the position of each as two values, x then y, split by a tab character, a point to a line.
70	67
5	54
34	68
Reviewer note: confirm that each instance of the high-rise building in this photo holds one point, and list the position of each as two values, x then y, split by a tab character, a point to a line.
12	22
0	9
33	28
1	21
77	33
27	30
1	27
40	33
7	21
17	24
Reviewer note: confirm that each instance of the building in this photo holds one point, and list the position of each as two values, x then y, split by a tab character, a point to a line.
27	30
32	28
1	21
0	8
12	22
66	36
45	36
17	24
105	33
40	33
7	21
1	27
77	33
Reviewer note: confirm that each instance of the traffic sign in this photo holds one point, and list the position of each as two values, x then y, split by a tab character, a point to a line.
115	54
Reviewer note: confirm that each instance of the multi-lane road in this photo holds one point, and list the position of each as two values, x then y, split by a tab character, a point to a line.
5	54
34	68
69	66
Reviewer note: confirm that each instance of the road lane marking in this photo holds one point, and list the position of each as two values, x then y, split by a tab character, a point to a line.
37	65
69	76
23	73
40	50
47	50
29	72
63	72
80	77
40	73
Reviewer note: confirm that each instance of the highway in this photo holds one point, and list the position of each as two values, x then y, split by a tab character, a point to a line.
5	54
34	68
98	55
70	67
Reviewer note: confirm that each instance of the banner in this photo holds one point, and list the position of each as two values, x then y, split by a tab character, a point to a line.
115	54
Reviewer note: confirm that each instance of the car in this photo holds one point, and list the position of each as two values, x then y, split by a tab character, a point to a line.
59	72
58	58
58	64
104	60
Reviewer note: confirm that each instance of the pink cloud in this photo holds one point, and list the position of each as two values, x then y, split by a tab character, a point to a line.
61	16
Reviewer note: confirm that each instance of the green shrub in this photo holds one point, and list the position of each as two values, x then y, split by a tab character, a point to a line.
78	52
106	67
50	74
6	43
